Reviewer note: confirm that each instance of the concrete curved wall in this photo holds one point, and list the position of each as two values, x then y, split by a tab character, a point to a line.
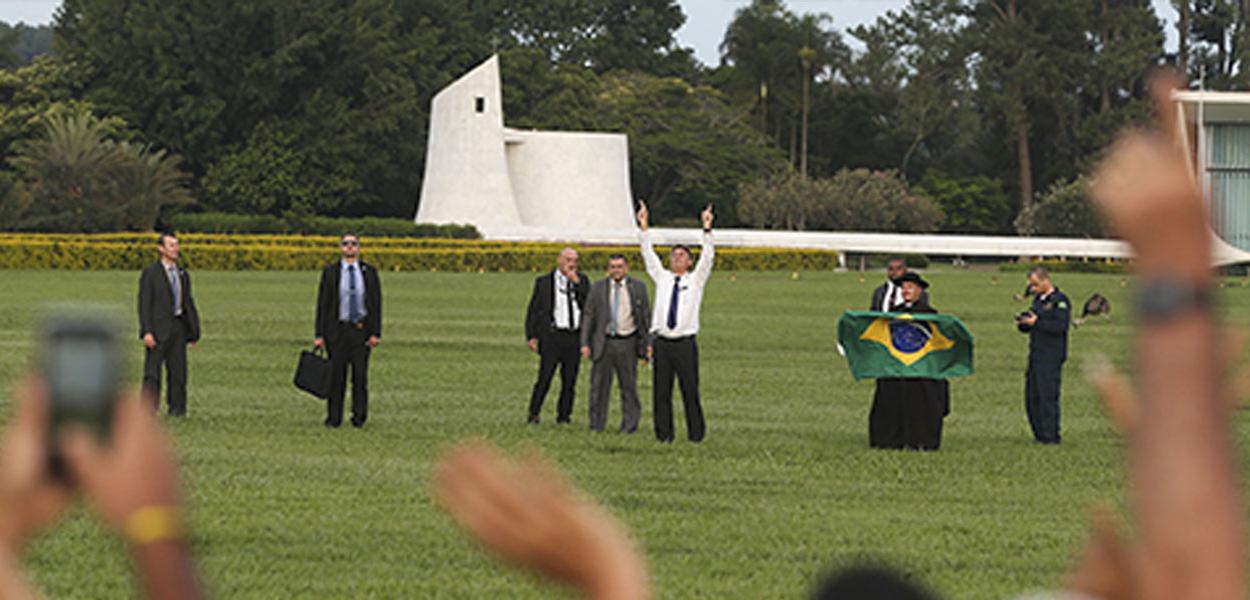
571	180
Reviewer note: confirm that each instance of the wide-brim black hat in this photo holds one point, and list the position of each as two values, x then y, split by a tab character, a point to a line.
915	278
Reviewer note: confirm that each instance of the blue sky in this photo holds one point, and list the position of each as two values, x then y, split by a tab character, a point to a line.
705	19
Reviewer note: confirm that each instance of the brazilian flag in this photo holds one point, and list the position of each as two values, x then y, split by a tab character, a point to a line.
879	344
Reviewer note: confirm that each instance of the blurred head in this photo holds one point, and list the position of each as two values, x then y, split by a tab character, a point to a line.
895	268
350	245
618	267
168	246
679	259
869	583
1039	281
567	262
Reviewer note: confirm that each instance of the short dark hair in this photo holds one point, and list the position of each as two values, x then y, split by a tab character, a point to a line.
1040	271
160	239
896	259
617	256
683	248
869	583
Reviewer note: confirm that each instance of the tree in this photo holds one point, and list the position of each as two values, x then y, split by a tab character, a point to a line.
851	200
1064	211
9	37
77	178
971	204
212	79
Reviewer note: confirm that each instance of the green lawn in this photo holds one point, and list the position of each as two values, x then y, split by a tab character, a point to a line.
784	487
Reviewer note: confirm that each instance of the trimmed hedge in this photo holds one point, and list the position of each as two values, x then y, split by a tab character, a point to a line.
117	251
1069	266
330	226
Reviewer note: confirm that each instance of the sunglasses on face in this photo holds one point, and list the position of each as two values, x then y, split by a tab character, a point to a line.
350	243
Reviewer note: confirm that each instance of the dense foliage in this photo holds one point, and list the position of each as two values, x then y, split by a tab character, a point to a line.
320	108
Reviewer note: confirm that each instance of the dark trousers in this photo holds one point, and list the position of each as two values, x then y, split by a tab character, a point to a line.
678	358
1041	399
350	348
561	348
620	356
172	352
908	413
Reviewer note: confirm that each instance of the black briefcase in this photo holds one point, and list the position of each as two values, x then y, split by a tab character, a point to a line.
312	374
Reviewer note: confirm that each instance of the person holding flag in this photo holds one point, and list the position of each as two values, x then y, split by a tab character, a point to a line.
907	412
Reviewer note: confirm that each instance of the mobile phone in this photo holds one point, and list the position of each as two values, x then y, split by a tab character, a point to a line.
81	361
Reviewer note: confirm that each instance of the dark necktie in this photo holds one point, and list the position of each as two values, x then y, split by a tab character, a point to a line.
672	303
568	293
353	305
175	286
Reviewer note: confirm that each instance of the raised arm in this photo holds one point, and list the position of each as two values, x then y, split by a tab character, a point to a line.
703	269
649	258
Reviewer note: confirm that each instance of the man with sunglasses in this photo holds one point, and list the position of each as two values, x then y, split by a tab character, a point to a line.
349	325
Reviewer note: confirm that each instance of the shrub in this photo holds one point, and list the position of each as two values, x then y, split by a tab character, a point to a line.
1064	211
213	222
234	253
852	200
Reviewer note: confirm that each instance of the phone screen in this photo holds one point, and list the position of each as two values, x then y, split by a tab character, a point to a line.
81	363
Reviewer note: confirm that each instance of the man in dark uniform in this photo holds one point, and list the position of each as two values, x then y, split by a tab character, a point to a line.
1047	325
553	330
907	412
168	323
349	325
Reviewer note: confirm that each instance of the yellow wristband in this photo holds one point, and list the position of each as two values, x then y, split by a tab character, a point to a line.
152	524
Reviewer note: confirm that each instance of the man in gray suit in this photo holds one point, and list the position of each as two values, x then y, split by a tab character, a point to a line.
615	326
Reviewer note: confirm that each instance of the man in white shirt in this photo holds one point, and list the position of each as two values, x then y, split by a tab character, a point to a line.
674	325
552	329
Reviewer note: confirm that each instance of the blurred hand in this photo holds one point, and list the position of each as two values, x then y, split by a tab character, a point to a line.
319	342
526	513
1145	191
1029	319
642	215
706	217
585	351
373	341
149	341
137	468
30	498
532	343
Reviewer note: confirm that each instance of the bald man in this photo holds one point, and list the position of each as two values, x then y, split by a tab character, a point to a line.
552	326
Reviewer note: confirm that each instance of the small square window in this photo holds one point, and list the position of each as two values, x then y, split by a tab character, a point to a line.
480	104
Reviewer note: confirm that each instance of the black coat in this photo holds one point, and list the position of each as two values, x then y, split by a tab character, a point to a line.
328	300
1048	338
538	318
156	304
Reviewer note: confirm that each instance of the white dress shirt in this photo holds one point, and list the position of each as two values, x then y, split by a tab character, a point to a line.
893	297
564	298
690	296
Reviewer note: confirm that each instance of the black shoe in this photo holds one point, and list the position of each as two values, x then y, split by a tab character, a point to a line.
177	412
357	424
665	440
564	421
330	425
532	420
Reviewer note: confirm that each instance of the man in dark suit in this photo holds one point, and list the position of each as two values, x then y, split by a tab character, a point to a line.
168	322
552	326
349	325
614	336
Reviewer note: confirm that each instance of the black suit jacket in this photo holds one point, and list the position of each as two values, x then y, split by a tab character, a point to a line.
156	304
328	300
538	317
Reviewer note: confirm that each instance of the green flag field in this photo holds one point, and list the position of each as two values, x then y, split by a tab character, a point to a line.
783	489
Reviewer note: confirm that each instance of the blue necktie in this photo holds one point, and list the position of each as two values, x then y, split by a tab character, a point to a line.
672	303
353	305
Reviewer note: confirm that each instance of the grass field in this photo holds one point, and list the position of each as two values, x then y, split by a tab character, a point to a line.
783	489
